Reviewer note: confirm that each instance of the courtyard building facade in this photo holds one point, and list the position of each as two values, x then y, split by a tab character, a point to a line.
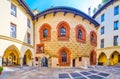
16	34
59	36
65	37
108	34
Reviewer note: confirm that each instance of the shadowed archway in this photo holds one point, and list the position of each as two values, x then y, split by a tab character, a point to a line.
11	56
44	62
27	59
114	58
102	60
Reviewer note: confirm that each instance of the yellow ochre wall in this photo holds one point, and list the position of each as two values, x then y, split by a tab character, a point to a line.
108	52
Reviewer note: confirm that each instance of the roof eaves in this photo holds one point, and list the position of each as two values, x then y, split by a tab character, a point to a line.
103	7
24	5
68	10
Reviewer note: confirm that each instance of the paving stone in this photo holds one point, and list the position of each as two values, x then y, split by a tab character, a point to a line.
75	75
95	77
104	74
81	78
64	75
92	71
116	66
85	73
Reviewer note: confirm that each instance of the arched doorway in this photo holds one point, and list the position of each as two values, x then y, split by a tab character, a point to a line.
44	62
27	59
114	58
11	56
102	60
93	58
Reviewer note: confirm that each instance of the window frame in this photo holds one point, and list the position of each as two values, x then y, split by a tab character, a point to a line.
45	26
64	57
67	27
28	23
116	10
83	39
38	51
102	43
14	14
93	33
44	34
102	17
116	23
115	42
80	34
62	33
102	30
28	38
15	35
68	53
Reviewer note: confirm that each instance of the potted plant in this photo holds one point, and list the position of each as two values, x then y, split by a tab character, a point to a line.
1	69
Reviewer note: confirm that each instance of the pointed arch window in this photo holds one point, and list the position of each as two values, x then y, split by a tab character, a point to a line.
64	56
62	31
93	38
80	33
45	33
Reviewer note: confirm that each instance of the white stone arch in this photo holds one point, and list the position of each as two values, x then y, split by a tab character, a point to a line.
11	54
3	48
28	58
15	49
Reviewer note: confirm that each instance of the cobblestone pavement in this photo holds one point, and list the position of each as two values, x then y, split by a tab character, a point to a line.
96	72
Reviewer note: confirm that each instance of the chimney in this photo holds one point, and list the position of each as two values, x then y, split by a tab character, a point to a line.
89	11
35	11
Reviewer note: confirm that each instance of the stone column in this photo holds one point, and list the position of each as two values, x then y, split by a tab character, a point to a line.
0	60
108	63
21	62
85	64
32	61
97	61
49	62
39	61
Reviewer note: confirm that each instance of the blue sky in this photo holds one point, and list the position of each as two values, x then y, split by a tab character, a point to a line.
82	5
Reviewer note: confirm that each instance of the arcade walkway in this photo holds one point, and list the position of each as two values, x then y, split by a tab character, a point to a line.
97	72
